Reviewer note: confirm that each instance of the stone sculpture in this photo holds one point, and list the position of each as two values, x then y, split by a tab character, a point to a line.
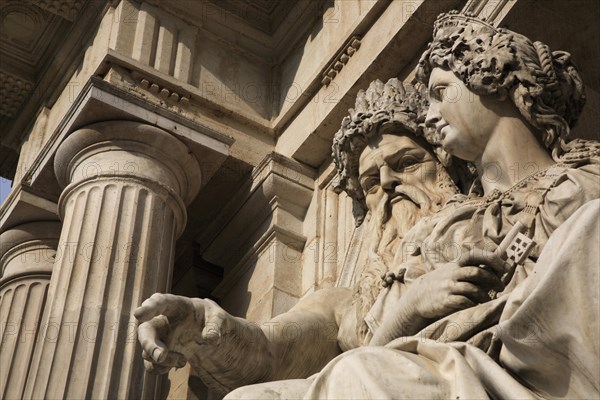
379	152
455	319
504	104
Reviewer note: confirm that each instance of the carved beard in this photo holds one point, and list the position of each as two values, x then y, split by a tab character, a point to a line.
394	216
402	210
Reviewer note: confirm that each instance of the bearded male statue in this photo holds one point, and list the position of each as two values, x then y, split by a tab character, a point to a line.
395	178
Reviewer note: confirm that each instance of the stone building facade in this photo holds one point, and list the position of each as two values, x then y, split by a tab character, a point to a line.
185	146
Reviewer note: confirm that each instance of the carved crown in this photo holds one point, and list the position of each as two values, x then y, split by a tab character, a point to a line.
454	19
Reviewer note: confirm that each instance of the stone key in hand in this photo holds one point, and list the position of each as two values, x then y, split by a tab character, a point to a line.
514	249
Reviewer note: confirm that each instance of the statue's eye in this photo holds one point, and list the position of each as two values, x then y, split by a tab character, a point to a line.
370	185
407	163
438	92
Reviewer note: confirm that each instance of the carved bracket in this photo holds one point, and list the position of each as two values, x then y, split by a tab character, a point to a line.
160	89
341	59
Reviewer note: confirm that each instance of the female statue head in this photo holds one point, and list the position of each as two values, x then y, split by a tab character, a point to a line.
544	85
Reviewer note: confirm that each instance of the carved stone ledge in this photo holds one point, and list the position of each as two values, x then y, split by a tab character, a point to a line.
341	59
25	205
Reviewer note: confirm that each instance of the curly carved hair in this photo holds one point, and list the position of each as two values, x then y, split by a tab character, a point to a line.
544	85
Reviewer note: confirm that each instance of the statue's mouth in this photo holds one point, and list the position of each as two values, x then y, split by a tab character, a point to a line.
397	197
404	192
439	130
437	134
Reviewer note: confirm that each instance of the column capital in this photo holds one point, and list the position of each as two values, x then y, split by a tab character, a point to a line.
128	149
28	249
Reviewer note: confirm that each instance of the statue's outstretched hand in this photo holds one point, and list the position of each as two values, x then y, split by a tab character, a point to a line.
173	327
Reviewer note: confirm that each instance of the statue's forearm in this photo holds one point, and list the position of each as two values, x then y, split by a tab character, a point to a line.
305	338
292	346
243	356
303	343
295	344
404	321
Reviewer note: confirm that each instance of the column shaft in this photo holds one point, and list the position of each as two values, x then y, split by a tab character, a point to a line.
28	256
21	308
115	251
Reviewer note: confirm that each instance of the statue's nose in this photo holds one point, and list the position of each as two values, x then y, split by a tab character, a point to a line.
433	115
389	180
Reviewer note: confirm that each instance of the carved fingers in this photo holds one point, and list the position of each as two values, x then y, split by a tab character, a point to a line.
162	316
487	259
172	306
457	286
455	302
149	335
478	274
474	283
158	358
480	277
472	293
173	327
214	322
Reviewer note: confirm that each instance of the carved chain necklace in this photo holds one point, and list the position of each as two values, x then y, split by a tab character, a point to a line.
495	195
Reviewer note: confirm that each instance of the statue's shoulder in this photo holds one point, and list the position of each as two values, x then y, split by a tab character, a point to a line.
580	152
575	182
581	160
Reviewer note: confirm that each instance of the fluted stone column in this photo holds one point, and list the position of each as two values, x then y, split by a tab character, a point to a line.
27	255
124	204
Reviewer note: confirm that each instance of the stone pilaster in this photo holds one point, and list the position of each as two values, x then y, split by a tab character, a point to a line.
26	258
124	204
260	240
